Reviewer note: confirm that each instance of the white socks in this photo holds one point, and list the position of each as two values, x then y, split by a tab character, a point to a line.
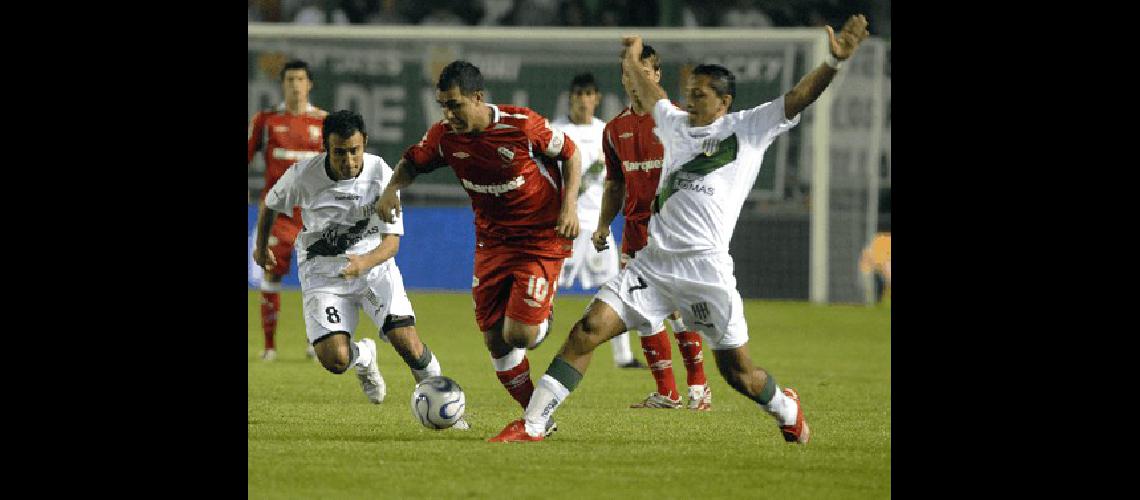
549	393
509	361
431	370
620	345
782	408
363	354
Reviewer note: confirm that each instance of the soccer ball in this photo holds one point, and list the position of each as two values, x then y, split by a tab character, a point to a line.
438	402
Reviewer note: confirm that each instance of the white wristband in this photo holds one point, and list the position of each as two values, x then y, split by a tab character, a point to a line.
833	62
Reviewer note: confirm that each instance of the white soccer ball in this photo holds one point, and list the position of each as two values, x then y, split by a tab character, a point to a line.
438	402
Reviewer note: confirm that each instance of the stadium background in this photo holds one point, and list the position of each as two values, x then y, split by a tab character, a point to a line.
371	58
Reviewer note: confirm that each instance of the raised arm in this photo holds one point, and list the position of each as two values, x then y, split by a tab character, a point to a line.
812	85
648	92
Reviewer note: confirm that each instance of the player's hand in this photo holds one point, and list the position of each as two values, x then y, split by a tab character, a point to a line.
568	223
632	43
357	265
388	203
264	258
600	238
853	33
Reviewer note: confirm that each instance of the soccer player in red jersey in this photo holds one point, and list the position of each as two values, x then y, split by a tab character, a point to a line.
288	134
525	212
633	157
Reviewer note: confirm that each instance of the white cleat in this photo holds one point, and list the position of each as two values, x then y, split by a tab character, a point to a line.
269	355
370	379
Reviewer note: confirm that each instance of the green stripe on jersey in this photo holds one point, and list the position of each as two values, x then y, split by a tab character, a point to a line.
705	164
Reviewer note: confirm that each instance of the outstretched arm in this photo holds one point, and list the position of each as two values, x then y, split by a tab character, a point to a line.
648	92
812	85
388	206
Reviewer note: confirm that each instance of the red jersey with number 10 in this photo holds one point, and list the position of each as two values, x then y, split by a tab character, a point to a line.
511	173
634	156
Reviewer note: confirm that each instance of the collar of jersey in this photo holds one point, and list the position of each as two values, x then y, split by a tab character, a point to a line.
281	107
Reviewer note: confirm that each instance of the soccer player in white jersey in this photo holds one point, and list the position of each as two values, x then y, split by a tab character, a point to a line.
588	265
712	158
345	256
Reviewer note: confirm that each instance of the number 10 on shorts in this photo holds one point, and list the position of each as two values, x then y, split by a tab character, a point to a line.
537	287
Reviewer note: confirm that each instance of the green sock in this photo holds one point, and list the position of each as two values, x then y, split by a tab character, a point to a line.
768	392
564	373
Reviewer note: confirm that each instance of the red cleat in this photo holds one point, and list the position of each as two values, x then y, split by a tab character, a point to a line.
515	432
798	432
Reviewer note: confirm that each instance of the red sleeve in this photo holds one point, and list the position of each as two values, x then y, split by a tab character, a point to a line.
613	163
425	155
551	142
255	131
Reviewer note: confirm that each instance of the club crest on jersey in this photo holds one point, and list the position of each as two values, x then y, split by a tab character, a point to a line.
625	135
710	146
507	154
461	155
314	133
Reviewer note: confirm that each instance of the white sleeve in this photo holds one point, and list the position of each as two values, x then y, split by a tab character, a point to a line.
285	193
766	121
669	118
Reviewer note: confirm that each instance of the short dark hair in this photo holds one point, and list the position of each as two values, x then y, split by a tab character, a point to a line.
344	123
647	52
722	81
463	74
584	81
297	64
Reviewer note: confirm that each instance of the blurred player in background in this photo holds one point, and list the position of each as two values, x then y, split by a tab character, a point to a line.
712	160
346	256
590	266
288	134
875	266
633	157
506	158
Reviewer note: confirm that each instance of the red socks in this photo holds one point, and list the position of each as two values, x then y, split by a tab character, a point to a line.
689	344
517	382
270	304
660	357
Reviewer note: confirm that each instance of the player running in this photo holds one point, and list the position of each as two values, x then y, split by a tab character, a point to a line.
712	158
633	168
346	256
525	212
288	134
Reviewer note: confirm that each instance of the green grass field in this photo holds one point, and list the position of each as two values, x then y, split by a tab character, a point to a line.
312	434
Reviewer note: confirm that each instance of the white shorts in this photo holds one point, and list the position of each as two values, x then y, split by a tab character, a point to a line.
588	266
330	306
702	288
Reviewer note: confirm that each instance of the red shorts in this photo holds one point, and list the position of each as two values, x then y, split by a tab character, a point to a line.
519	285
281	237
634	236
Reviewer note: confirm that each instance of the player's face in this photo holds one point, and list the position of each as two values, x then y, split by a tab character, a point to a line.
583	101
296	85
647	66
346	154
464	113
702	103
